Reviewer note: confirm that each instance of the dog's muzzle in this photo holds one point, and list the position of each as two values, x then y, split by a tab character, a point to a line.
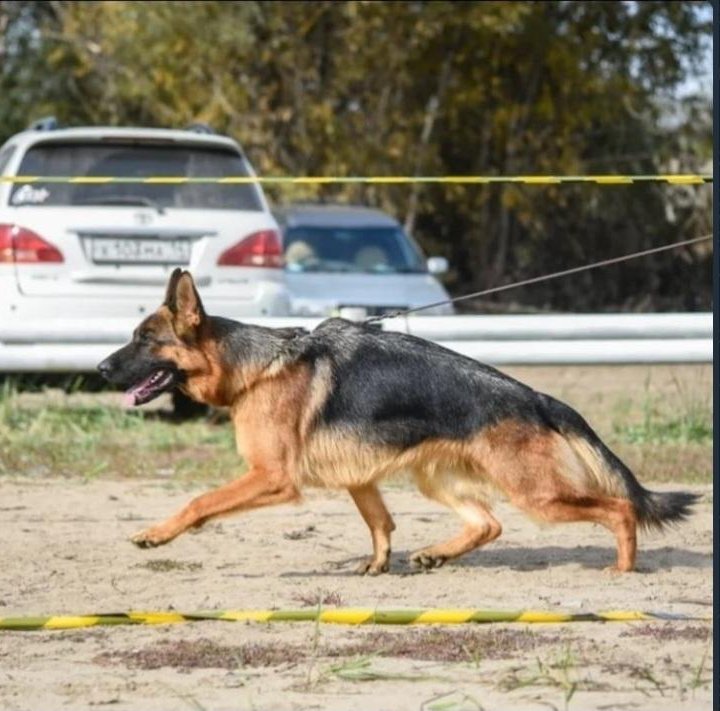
105	368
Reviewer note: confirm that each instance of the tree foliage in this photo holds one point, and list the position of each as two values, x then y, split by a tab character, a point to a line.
428	88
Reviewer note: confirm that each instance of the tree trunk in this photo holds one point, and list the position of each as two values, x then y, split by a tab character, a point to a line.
431	111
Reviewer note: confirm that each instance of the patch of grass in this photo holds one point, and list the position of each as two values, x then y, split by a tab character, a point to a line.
662	430
452	701
203	654
319	598
698	679
677	677
684	418
647	674
356	669
63	436
562	673
360	669
669	632
663	433
448	645
441	645
668	463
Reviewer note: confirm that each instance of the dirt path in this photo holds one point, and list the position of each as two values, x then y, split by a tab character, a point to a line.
66	551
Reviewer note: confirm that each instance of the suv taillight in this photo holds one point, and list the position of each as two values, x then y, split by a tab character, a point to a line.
19	245
260	249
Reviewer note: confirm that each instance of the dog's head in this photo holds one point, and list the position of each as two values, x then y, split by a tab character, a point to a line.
163	352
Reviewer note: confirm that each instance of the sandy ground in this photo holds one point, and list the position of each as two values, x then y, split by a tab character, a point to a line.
65	550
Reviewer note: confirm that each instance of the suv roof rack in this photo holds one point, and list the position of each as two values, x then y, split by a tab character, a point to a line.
47	123
200	128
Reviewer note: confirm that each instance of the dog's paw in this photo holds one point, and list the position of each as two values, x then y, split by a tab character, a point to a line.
427	560
614	570
149	538
373	567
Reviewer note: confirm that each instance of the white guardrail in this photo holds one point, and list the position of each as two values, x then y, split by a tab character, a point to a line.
67	345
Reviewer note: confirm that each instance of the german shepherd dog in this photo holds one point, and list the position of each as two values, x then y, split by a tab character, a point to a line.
348	405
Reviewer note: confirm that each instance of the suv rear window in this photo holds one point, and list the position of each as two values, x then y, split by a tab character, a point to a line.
133	160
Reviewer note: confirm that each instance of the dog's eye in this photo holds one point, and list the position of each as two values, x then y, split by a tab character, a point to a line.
144	337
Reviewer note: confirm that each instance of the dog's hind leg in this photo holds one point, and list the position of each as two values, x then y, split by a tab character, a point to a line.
615	514
372	508
257	488
481	527
547	477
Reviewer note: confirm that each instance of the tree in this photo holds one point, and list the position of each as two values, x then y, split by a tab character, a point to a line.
363	88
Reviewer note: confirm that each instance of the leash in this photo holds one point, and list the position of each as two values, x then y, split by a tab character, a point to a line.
545	277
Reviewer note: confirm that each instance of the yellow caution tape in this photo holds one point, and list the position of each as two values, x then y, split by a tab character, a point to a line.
156	618
340	616
537	616
70	622
682	179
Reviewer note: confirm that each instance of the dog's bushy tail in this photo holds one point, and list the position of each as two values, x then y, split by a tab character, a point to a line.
609	474
654	510
657	510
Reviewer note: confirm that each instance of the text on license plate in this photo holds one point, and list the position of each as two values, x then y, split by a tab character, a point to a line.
140	251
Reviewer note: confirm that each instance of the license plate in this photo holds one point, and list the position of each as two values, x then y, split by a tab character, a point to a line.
113	250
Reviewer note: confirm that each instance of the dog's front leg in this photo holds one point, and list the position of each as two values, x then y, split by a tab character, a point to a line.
378	519
259	487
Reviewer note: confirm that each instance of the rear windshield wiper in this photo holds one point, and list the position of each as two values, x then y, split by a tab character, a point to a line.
121	200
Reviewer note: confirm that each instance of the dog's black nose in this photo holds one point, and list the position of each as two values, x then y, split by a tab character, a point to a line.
105	368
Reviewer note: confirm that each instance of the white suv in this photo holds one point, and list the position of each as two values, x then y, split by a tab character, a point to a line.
76	258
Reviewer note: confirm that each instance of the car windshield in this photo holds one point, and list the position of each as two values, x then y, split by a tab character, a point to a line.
133	160
374	250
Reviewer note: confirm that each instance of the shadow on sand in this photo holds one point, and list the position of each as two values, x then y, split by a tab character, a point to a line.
650	560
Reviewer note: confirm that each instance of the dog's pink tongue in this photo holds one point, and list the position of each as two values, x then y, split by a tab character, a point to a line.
129	398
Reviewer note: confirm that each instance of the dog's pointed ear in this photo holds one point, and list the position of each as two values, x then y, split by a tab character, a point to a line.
171	287
185	305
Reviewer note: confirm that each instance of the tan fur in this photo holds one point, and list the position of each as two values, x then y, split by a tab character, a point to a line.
585	466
